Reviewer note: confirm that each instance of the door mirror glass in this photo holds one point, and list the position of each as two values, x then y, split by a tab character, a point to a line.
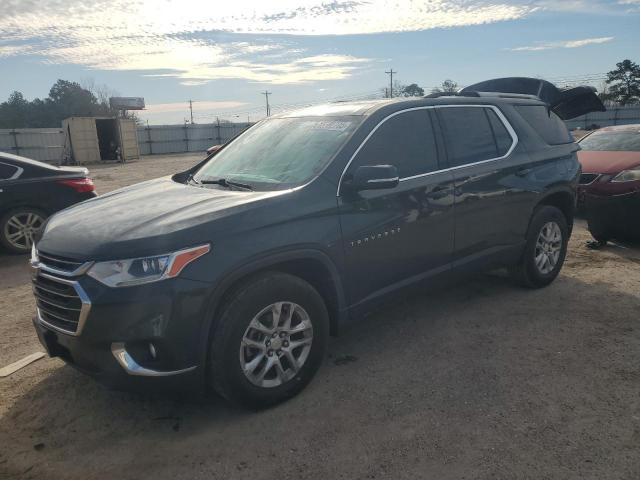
375	177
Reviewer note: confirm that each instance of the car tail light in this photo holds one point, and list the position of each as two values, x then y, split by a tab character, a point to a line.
80	185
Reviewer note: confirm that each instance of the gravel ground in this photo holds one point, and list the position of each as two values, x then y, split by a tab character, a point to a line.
484	381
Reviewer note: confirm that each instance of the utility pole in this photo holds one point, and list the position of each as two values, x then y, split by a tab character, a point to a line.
390	73
266	96
191	110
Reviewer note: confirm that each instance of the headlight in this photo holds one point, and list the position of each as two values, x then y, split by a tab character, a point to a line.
632	175
135	271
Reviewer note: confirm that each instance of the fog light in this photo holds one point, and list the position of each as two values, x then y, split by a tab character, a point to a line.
152	351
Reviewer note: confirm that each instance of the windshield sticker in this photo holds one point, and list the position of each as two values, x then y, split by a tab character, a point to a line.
331	125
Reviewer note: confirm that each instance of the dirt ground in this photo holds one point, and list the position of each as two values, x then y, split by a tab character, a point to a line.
481	381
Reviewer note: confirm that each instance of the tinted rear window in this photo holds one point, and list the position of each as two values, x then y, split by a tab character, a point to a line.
548	125
473	134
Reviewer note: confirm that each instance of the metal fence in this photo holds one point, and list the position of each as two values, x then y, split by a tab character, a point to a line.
186	138
48	144
44	144
613	116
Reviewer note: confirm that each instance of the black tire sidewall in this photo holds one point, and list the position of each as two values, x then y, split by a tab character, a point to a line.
263	290
5	218
541	217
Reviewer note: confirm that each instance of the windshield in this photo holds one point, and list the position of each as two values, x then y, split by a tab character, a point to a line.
280	152
622	141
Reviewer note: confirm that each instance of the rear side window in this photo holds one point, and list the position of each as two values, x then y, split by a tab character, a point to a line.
406	141
473	134
7	171
548	125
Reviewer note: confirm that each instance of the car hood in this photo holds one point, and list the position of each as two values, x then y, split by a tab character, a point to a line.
148	218
608	162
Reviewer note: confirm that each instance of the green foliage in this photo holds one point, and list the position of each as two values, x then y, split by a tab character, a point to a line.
448	86
624	83
66	99
413	90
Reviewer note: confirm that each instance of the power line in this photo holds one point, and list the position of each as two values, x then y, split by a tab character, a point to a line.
390	73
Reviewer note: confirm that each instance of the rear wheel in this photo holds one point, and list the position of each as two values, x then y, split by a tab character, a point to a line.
545	249
269	341
19	228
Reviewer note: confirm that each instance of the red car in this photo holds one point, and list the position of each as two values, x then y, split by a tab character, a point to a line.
609	189
213	149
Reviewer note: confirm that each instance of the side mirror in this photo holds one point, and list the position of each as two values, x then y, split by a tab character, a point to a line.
375	177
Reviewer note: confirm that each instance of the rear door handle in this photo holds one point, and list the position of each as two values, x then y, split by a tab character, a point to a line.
523	172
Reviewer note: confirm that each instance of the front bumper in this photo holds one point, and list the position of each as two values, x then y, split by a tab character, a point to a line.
615	214
124	328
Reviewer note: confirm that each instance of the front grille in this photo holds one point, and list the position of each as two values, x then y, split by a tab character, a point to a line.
59	263
59	302
588	178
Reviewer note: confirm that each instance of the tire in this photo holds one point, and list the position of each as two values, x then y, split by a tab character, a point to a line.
237	345
547	222
20	227
598	231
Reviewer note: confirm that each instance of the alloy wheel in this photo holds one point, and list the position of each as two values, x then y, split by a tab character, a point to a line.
21	229
276	344
548	247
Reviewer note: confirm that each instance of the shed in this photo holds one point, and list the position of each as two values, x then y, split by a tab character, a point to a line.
95	139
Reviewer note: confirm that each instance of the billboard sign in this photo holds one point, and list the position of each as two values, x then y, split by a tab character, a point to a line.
127	103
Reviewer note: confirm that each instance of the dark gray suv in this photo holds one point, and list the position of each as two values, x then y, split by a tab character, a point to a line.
233	274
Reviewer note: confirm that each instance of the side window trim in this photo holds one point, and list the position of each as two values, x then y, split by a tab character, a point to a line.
16	175
438	132
505	122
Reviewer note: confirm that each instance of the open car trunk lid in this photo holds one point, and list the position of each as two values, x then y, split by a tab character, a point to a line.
567	104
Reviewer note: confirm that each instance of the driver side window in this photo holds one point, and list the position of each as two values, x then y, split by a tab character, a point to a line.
406	140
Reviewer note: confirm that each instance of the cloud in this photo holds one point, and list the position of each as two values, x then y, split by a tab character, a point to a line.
197	40
564	44
13	50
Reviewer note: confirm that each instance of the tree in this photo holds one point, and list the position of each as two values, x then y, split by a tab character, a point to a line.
448	86
66	99
69	99
413	90
14	112
397	90
624	83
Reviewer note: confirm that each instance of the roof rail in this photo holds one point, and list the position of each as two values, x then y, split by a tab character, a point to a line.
452	94
508	95
473	93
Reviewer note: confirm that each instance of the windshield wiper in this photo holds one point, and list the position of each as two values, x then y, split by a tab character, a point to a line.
225	183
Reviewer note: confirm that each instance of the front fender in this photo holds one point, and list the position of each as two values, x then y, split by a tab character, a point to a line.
263	263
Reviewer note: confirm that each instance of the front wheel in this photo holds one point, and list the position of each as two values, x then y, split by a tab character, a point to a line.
270	340
545	249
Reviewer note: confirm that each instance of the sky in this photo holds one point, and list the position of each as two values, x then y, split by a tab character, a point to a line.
223	54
